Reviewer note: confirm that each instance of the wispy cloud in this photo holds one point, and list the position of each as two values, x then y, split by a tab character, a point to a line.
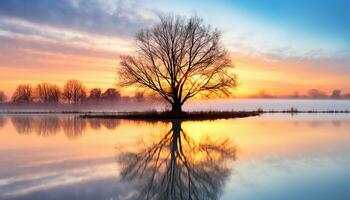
112	18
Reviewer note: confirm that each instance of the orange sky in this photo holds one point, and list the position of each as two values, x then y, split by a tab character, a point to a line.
35	60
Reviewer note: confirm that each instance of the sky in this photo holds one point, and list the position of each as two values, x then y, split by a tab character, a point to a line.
280	47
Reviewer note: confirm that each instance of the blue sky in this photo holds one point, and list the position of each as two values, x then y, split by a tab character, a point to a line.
330	18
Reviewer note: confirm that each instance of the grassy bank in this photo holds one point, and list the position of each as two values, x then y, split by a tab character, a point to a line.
154	113
210	115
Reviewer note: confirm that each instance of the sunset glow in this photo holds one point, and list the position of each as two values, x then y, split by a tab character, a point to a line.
280	49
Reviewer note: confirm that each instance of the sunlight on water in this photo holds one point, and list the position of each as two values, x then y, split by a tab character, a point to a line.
304	156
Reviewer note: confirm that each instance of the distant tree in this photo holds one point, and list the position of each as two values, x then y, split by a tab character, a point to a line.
296	94
179	59
264	94
74	92
111	95
315	93
139	97
336	94
95	94
23	94
48	93
2	97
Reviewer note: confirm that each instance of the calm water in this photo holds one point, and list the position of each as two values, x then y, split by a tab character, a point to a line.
268	104
271	157
205	105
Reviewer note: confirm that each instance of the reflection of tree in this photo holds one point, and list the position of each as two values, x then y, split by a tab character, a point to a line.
42	125
23	124
110	124
46	125
2	121
178	168
95	123
73	127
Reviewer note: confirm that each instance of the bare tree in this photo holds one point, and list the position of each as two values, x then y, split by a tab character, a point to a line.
2	97
178	59
316	94
111	95
48	93
23	94
95	94
139	96
336	94
74	92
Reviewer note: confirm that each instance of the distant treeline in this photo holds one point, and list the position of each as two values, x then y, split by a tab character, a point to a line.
311	94
73	92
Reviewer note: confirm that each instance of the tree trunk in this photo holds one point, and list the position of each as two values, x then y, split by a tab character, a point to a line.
176	107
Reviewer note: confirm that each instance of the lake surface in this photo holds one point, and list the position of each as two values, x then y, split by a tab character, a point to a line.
269	157
268	104
200	105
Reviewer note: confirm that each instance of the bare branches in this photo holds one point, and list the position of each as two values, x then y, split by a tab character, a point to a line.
48	93
24	94
74	92
178	59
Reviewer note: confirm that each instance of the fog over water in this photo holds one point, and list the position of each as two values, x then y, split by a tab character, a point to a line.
198	105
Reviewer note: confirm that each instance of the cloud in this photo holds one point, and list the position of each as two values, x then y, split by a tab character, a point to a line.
10	48
112	18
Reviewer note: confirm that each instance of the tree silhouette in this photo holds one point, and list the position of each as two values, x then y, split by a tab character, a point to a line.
48	93
23	94
95	94
317	94
178	59
74	92
111	95
139	96
2	97
178	168
336	94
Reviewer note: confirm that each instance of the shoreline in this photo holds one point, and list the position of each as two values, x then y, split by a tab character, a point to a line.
96	113
168	116
165	116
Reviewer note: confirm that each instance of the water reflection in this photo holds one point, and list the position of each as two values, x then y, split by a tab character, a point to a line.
178	167
336	123
73	127
2	121
23	124
46	126
175	160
